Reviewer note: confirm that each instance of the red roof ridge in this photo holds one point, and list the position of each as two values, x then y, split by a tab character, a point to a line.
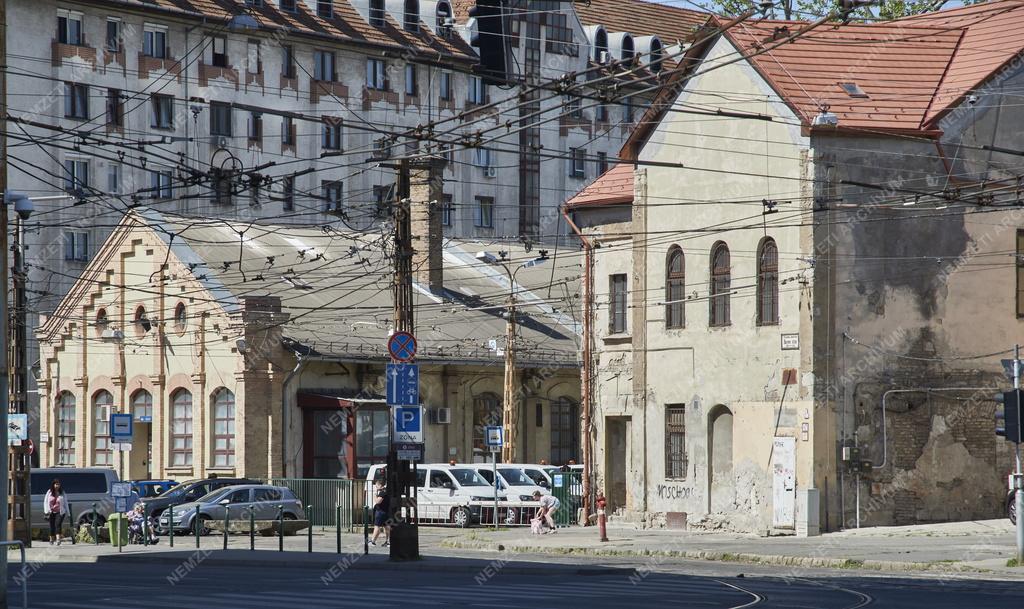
613	187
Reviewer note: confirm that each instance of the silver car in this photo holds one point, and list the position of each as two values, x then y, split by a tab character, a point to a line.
262	499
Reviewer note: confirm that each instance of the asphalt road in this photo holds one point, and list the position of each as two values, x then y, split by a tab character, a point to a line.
495	585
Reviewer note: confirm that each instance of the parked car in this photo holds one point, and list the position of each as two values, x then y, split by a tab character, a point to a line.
264	499
188	491
84	486
537	473
152	488
453	494
519	489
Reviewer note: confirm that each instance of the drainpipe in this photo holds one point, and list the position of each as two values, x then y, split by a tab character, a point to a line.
588	466
285	418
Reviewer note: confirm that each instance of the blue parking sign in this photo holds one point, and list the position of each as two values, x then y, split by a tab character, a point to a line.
408	424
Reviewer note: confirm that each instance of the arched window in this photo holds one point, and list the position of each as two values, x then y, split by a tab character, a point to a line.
142	406
444	13
768	283
223	428
180	317
486	411
412	16
181	428
628	50
102	322
377	13
65	428
657	56
721	280
142	323
102	453
675	286
565	431
601	46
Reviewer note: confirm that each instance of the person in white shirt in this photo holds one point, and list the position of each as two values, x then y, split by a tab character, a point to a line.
55	507
549	504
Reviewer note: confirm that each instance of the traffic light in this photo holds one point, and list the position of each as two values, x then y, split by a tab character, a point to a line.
1012	401
490	41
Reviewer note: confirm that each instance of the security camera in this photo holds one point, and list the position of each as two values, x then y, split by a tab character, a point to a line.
972	99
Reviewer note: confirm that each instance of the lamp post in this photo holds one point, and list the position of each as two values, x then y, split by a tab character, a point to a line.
23	207
509	409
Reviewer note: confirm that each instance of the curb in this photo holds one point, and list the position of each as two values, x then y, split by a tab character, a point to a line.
747	558
426	563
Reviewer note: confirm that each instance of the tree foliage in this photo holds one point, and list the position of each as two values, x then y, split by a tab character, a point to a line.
810	9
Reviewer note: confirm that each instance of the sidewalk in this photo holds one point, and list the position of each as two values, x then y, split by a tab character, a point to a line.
966	547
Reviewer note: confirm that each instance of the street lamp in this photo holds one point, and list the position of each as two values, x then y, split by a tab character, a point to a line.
509	411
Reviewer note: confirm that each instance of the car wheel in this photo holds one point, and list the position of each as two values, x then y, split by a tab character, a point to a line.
1011	508
200	521
461	517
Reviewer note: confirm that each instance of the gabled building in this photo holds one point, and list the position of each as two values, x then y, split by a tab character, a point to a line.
259	350
800	289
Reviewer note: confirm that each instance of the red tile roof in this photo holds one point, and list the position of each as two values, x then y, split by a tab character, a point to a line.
993	36
670	24
346	25
898	66
614	186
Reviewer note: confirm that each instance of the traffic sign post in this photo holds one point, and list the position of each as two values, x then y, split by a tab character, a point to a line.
494	439
402	346
121	428
17	429
407	422
403	384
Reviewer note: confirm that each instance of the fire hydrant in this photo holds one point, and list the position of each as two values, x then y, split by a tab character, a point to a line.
602	518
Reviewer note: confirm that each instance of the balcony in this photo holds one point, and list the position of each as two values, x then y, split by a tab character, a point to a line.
326	88
167	65
208	73
60	51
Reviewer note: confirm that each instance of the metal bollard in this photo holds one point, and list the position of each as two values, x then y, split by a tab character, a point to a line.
170	525
227	510
280	528
337	527
309	518
252	528
71	521
196	526
366	530
95	532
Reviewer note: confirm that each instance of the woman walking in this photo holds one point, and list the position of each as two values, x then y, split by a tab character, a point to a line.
55	506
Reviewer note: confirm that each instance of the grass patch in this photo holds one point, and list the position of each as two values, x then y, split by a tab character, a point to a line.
851	563
1013	562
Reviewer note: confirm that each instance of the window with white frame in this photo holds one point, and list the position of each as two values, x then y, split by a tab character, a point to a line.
114	178
76	100
484	216
69	27
76	246
76	175
323	66
181	428
162	116
220	119
66	422
331	133
223	428
154	41
376	74
332	195
446	209
482	157
160	184
412	88
114	42
574	106
445	86
102	454
477	90
577	162
219	50
253	60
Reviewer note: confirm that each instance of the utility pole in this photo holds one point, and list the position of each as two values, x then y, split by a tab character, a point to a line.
510	411
1018	477
4	319
20	527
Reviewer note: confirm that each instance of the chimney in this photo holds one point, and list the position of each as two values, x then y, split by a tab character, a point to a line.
426	196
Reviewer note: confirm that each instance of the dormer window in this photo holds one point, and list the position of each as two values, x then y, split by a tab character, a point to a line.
444	20
411	21
628	51
657	56
377	13
601	46
289	6
325	9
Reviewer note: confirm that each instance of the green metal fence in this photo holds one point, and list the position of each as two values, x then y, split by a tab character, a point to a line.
567	487
326	495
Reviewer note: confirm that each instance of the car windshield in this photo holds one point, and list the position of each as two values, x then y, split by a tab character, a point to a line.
515	477
212	496
467	477
174	490
537	476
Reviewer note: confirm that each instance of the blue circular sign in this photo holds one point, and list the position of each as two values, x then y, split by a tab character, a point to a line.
402	346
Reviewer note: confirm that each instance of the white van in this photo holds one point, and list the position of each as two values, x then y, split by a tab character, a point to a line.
537	473
519	488
453	494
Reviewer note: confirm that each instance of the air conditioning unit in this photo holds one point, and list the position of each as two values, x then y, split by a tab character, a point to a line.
218	141
442	416
491	172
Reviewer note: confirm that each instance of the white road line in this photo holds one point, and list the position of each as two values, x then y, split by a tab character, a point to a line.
757	597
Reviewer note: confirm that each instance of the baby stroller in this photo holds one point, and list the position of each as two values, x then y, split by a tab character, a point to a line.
141	529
